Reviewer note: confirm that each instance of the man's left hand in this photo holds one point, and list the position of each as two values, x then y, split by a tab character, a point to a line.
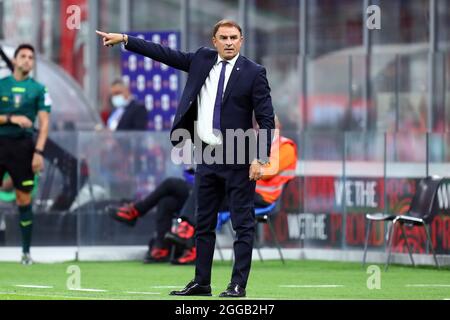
256	171
38	163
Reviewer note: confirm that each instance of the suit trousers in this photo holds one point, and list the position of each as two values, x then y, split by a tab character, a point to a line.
213	183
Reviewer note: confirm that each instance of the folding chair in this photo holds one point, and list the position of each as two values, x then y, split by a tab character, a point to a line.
262	215
421	213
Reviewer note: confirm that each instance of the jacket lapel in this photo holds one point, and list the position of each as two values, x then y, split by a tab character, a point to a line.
234	76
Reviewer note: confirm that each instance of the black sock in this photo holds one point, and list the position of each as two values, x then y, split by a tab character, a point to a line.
26	226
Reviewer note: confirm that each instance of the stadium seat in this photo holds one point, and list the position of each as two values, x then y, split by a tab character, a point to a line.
375	217
421	213
261	216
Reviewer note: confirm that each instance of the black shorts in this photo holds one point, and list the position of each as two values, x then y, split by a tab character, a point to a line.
16	156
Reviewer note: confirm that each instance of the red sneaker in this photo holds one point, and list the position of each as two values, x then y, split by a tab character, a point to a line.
126	214
188	257
183	235
185	230
157	255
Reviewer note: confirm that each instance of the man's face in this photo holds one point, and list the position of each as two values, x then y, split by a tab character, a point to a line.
117	89
227	41
119	95
24	61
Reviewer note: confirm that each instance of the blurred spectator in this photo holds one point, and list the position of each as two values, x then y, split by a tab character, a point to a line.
168	198
127	113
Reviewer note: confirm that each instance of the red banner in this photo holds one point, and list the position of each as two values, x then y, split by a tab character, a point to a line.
73	21
313	211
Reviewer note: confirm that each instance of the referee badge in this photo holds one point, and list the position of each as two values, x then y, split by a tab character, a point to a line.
17	100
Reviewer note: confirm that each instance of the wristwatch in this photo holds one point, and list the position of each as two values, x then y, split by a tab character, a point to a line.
8	118
264	163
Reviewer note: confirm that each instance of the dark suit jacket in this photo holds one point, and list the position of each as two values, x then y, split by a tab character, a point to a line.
247	89
134	117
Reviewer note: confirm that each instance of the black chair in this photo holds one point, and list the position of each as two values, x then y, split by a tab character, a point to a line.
421	212
262	215
375	217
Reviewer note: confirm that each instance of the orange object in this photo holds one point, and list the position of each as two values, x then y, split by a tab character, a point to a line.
283	162
185	230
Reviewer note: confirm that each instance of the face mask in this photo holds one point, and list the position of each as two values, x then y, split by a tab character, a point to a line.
119	101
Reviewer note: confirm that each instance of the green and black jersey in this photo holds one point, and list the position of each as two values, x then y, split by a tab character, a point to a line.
26	98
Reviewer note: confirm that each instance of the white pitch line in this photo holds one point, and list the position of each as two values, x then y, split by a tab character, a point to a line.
52	296
261	298
429	285
87	290
311	286
33	286
132	292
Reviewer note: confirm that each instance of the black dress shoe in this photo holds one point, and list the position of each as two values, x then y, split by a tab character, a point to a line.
233	291
193	289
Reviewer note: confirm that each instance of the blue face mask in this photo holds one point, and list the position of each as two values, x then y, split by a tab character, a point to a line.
119	101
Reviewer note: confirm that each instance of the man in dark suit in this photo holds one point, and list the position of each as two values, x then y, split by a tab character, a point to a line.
128	114
222	92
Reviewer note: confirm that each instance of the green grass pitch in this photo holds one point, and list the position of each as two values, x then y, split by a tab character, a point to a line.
268	280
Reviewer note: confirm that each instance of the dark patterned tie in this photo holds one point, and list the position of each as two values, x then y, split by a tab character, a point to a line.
218	102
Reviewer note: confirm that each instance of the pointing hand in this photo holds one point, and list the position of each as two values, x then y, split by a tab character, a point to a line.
110	39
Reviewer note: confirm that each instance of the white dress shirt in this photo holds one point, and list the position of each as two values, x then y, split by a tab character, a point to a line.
206	99
114	118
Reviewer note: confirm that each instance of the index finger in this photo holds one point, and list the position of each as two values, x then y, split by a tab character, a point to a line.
103	34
